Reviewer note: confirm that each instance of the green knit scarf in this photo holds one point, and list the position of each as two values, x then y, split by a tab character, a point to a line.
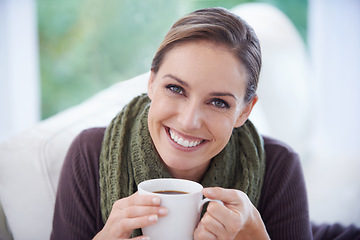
128	157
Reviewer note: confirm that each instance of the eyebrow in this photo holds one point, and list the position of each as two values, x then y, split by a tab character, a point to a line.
217	94
177	79
222	94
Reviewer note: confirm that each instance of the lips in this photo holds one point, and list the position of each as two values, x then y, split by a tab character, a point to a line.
182	141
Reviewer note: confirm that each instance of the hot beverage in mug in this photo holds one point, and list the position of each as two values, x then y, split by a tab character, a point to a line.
184	201
170	192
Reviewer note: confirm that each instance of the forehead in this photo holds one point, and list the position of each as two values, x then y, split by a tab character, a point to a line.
205	62
198	48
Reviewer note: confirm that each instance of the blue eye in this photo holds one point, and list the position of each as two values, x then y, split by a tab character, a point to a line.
175	89
219	103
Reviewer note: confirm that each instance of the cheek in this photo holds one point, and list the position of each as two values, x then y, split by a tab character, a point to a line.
221	128
159	110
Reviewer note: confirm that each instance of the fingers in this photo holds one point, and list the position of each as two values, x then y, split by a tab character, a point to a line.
129	224
140	205
138	200
138	211
227	196
201	233
235	200
224	221
218	221
135	211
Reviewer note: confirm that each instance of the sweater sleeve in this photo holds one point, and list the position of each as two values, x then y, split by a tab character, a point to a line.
283	203
335	231
77	211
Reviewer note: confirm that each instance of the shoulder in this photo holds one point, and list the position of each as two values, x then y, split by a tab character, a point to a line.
83	154
87	142
91	137
77	209
276	148
283	164
279	156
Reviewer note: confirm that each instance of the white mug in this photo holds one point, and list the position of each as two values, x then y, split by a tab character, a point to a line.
183	208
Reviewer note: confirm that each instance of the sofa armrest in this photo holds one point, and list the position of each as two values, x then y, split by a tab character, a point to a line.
30	162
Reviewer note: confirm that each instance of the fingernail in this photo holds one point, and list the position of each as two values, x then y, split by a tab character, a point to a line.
145	238
153	218
207	191
156	200
163	211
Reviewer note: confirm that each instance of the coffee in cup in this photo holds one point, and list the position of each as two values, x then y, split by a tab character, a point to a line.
184	201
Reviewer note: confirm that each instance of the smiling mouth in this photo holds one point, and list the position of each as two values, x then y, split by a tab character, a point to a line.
184	142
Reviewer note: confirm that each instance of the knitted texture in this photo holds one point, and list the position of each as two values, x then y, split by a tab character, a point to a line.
128	157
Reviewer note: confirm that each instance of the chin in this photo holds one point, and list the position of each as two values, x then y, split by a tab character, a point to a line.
180	165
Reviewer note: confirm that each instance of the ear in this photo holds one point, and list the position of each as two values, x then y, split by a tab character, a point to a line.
244	115
151	84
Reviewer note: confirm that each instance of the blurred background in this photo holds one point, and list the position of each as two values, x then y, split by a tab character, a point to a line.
56	54
77	47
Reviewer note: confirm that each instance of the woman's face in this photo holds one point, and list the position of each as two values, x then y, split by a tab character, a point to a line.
197	99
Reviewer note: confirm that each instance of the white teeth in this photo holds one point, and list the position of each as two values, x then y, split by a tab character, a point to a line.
182	142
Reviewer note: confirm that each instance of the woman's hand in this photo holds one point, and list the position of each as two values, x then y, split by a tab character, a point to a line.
236	219
127	214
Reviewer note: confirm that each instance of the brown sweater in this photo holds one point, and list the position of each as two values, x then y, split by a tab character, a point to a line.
283	202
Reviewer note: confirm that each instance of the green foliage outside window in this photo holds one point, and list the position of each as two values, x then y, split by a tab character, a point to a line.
87	45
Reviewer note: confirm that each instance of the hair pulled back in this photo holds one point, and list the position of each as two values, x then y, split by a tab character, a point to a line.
219	26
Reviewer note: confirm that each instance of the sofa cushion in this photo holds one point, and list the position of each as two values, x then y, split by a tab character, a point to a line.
30	162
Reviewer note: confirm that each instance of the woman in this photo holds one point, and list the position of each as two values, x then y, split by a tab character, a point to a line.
192	124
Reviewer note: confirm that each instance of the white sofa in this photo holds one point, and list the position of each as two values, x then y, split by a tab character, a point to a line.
30	162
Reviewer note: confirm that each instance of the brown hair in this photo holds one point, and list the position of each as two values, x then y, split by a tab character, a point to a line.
220	26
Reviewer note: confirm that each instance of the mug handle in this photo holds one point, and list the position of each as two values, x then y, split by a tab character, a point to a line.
205	200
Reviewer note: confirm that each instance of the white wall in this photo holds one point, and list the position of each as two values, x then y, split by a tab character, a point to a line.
19	77
335	44
333	177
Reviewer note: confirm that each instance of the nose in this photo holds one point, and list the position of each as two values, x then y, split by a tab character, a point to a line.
190	115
